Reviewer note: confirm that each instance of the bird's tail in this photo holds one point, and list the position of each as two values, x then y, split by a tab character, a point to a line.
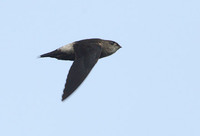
58	55
52	54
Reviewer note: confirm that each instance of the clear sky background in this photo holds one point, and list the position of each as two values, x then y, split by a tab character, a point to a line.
150	87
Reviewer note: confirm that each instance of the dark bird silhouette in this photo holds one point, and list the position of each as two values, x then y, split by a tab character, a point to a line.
85	54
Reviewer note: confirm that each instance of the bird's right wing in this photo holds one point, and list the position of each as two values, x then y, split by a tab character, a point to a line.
86	57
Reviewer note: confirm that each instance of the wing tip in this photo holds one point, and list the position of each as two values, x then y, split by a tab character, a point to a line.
63	97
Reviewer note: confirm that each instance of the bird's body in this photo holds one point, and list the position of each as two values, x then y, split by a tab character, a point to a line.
85	54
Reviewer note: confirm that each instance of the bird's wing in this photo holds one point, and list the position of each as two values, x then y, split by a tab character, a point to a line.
86	57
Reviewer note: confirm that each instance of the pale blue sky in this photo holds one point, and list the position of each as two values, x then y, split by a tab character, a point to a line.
150	87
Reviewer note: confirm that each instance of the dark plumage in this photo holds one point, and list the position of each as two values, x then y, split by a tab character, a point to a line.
85	54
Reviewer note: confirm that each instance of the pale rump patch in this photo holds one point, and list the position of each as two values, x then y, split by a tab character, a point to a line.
67	48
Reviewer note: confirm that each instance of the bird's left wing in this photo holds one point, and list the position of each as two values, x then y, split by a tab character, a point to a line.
86	57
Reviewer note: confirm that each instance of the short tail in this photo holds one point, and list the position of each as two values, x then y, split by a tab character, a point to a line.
59	55
52	54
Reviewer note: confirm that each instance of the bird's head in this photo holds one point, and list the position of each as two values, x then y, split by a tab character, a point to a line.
111	47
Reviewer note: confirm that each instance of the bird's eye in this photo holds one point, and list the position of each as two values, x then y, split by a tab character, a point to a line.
112	43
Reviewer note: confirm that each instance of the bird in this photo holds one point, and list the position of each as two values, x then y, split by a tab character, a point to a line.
85	54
